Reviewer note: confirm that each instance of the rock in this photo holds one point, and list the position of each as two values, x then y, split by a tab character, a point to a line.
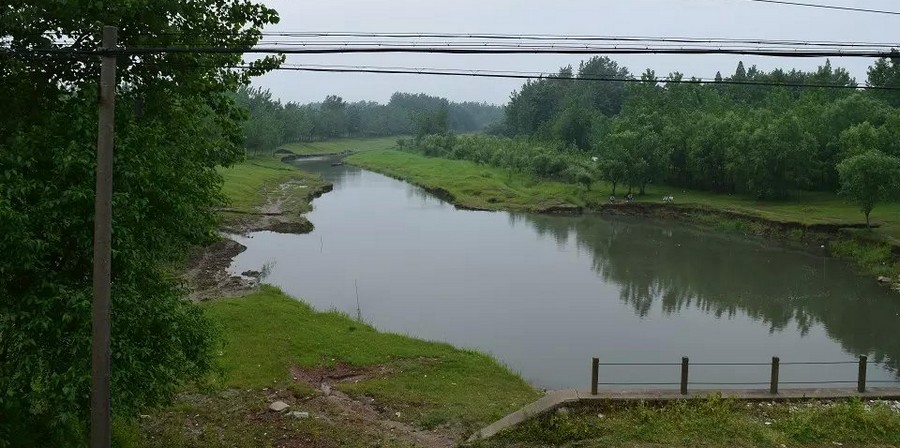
326	389
884	280
252	274
298	414
278	406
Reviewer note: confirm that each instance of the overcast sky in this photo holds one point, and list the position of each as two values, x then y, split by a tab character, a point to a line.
682	18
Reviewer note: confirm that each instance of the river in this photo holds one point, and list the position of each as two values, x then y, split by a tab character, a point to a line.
544	294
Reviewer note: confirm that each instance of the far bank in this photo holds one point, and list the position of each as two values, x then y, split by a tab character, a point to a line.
813	219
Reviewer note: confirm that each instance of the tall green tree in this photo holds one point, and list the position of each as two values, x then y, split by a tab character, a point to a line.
886	73
176	121
869	179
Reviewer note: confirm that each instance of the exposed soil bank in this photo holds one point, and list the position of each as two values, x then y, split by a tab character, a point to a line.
207	272
278	214
674	211
288	157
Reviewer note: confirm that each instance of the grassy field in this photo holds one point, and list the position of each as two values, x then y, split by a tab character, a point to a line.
268	337
714	422
340	145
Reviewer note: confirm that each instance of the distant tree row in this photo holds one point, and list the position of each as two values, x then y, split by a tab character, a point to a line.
272	123
721	136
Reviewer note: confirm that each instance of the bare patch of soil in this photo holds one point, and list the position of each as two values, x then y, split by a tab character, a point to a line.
207	272
366	412
339	373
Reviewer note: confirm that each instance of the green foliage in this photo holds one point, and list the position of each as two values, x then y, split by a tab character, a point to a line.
873	257
886	73
769	142
870	178
432	123
273	124
175	123
516	154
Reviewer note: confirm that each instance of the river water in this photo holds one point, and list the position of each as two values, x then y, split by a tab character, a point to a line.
545	294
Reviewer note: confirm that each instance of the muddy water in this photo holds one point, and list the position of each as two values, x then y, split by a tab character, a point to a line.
545	294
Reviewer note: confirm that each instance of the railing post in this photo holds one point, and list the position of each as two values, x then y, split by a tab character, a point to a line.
863	362
595	375
773	384
684	375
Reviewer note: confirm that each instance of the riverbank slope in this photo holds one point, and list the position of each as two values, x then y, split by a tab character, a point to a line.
355	386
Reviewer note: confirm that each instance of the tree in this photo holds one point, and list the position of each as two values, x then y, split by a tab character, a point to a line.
432	123
886	73
772	155
870	178
175	124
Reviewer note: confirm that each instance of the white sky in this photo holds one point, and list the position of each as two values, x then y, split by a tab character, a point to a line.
681	18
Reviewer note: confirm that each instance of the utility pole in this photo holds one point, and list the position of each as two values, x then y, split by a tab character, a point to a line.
100	359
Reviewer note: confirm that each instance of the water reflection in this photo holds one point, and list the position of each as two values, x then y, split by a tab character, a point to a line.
683	268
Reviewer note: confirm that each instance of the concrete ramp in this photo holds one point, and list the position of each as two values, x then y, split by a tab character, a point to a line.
560	398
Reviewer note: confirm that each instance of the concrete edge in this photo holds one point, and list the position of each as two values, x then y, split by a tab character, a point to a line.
554	400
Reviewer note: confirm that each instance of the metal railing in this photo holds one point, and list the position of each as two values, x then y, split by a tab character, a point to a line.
773	383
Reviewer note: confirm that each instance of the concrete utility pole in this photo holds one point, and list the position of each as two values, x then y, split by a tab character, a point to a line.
100	365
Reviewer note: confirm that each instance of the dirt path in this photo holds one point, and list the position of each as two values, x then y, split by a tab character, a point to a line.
365	412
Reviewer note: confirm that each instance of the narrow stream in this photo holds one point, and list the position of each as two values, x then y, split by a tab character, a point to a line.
545	294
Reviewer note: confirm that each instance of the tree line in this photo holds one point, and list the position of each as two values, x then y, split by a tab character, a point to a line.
272	123
175	124
724	137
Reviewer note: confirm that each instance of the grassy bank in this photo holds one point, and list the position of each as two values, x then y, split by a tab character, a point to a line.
276	347
338	146
714	423
473	185
254	182
500	189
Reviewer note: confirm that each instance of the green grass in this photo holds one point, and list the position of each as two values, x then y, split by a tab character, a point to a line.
712	422
268	332
873	257
249	184
340	145
472	185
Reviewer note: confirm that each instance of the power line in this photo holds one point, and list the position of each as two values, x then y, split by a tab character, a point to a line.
592	50
539	76
834	7
541	37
